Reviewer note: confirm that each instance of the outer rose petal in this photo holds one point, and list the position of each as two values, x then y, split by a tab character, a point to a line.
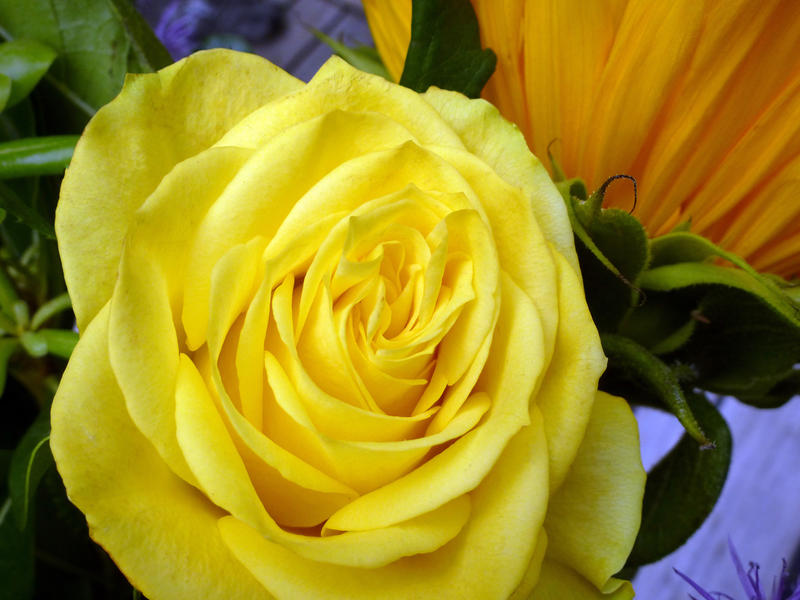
557	582
569	386
502	146
135	506
592	520
131	143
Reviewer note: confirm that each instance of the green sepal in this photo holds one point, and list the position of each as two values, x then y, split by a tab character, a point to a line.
46	155
746	333
631	363
445	49
663	323
613	250
558	175
24	62
572	189
619	235
363	58
30	461
683	488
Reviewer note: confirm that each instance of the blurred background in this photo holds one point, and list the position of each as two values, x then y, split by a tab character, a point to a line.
759	509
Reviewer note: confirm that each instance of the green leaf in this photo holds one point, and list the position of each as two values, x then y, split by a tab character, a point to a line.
34	343
746	340
676	339
5	90
7	347
21	314
679	248
688	274
683	488
49	309
147	53
633	362
16	557
8	294
47	155
784	389
60	342
744	349
25	62
363	58
445	49
683	246
18	121
97	42
11	202
5	462
31	460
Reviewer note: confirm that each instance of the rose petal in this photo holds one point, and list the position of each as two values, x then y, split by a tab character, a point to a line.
486	560
557	582
209	451
339	86
268	189
376	547
142	339
163	118
500	144
509	380
594	516
569	387
135	505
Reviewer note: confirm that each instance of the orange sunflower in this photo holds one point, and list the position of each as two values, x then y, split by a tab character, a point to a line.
699	100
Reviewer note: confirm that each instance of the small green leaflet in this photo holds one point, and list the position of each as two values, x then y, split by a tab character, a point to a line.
639	366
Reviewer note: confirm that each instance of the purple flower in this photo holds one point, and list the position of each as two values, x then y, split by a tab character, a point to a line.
782	588
184	26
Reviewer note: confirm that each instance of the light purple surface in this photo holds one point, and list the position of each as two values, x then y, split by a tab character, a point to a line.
759	508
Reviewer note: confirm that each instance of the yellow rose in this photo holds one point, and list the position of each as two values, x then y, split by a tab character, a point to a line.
334	345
